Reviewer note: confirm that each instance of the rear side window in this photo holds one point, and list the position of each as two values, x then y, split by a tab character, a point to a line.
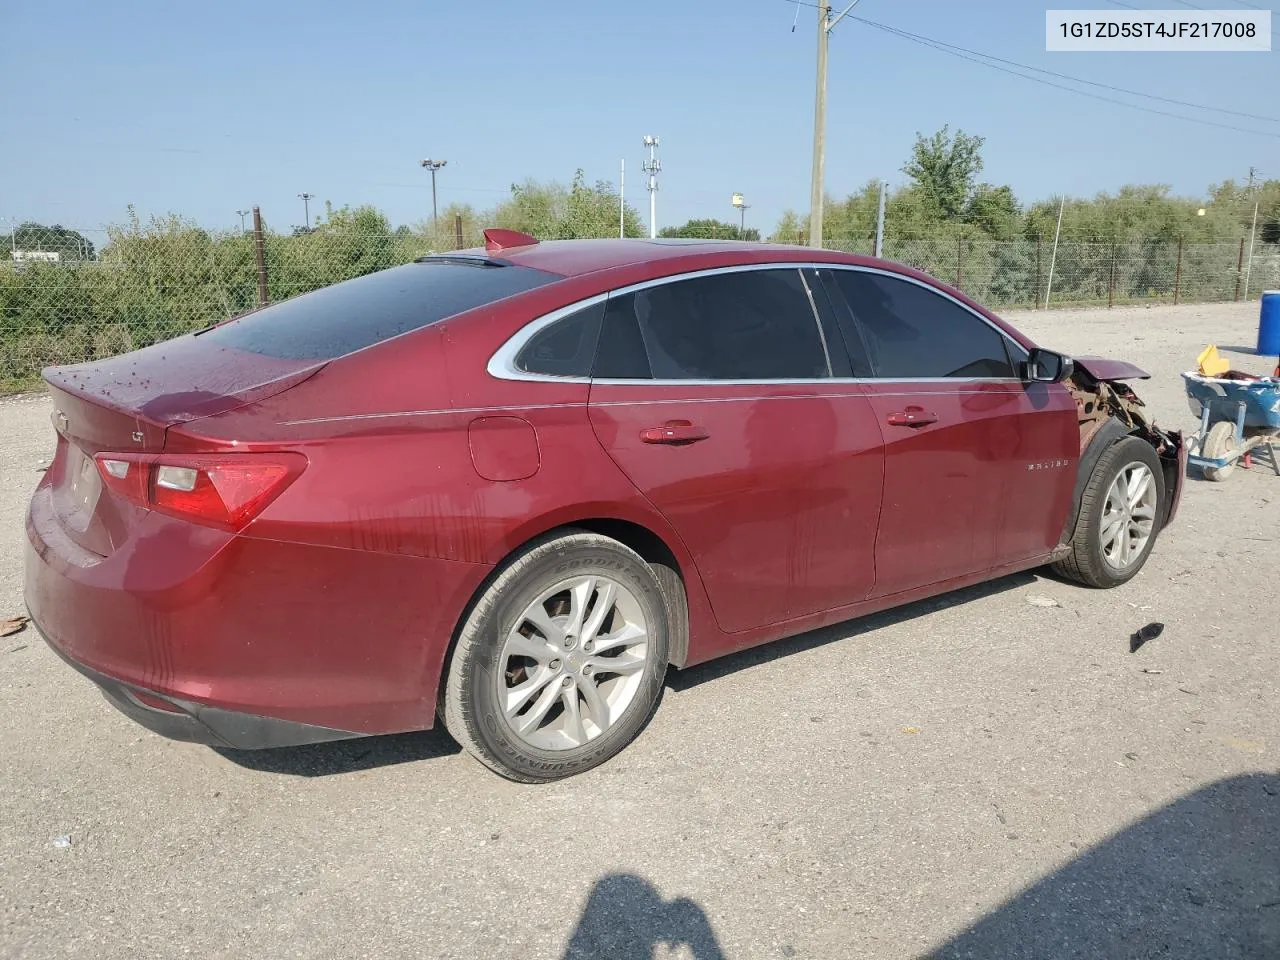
741	325
564	348
348	316
912	332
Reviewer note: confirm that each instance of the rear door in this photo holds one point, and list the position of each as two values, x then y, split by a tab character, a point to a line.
977	464
714	394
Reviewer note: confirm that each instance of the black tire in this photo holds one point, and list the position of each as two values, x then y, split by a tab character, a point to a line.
472	712
1086	563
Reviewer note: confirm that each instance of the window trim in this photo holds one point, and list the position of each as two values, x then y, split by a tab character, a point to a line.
501	365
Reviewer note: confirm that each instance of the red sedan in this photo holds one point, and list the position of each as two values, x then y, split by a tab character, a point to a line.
509	487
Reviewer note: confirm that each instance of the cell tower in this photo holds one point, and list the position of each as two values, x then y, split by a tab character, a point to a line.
652	166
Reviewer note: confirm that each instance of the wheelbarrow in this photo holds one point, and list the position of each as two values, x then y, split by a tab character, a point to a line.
1237	417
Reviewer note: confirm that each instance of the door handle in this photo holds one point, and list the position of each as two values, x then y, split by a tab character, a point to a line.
911	417
674	432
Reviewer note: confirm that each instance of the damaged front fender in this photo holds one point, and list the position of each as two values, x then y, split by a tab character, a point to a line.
1107	409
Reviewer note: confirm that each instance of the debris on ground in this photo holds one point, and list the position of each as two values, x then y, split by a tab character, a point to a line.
1151	671
13	625
1039	600
1149	632
62	842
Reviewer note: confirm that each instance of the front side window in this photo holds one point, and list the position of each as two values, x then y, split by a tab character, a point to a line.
739	325
912	332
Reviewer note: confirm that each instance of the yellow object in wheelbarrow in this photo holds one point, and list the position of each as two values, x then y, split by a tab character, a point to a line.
1211	363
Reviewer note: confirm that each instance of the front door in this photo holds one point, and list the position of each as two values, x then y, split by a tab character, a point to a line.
977	463
714	394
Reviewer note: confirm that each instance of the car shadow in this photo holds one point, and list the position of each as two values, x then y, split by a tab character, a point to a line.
1199	877
626	919
679	680
346	756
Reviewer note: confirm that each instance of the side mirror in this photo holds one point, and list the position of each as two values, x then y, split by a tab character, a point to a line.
1045	366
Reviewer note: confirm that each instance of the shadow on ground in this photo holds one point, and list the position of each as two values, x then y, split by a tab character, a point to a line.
766	653
346	756
626	919
1197	878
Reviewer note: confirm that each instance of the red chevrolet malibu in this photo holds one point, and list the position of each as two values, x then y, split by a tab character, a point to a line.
509	487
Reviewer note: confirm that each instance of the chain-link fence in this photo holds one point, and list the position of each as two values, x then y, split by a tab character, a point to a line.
1030	273
69	296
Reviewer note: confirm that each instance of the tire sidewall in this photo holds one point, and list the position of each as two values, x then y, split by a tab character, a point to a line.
1120	457
564	561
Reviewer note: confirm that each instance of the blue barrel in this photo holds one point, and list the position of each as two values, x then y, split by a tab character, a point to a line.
1269	324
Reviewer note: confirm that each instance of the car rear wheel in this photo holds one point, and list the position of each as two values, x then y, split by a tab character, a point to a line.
560	663
1119	519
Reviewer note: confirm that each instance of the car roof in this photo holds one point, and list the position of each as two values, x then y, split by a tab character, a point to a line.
571	258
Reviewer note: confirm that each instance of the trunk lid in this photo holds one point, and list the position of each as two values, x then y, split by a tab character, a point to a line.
126	404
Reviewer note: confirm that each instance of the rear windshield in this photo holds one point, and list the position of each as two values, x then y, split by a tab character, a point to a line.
337	320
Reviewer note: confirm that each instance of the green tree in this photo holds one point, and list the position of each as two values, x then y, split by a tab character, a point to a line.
945	168
68	244
551	211
710	229
994	211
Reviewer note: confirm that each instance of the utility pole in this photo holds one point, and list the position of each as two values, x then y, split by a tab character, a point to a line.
242	214
306	199
880	220
260	257
825	25
433	166
652	166
622	200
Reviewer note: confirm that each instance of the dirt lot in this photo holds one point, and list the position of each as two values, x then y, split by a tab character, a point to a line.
971	776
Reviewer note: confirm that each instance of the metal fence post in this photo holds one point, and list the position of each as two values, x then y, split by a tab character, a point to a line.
1111	283
1239	269
1177	277
457	230
959	262
260	257
1039	246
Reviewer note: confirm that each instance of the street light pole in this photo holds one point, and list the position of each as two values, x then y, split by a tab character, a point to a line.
306	207
433	166
825	25
243	214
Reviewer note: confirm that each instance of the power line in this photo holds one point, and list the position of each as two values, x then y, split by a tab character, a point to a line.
1192	6
1066	76
982	59
944	47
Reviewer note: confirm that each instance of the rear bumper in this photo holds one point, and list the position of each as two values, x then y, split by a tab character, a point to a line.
250	641
198	723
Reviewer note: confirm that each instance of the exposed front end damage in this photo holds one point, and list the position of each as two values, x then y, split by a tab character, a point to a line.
1108	409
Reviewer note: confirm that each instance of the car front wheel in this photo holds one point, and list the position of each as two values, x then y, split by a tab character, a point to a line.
561	661
1120	513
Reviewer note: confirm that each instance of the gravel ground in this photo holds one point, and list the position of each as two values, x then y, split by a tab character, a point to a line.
969	776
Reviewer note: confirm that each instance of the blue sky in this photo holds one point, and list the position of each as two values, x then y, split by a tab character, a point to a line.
203	108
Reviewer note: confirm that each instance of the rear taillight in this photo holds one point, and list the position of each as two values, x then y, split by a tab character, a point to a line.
221	491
